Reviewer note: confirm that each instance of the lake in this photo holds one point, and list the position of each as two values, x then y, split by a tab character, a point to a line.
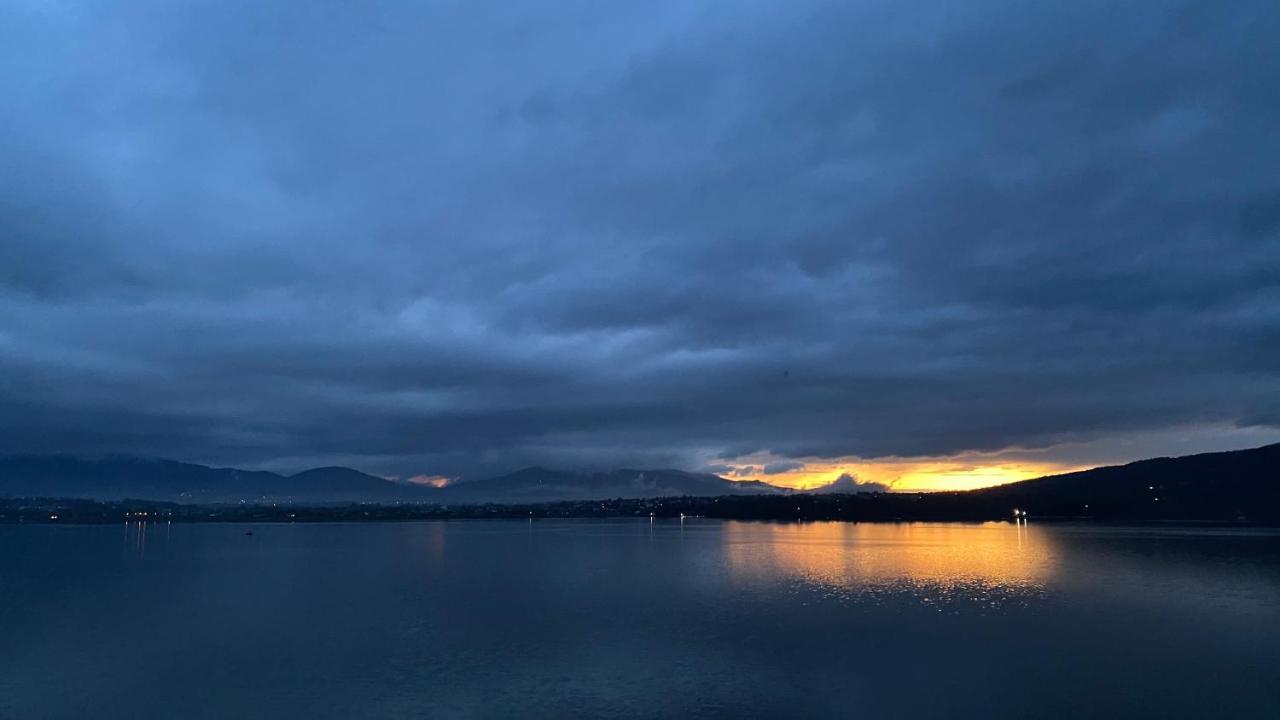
633	618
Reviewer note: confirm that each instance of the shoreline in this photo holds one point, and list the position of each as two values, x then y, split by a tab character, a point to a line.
82	512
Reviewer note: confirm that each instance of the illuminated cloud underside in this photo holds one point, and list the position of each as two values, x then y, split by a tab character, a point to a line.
969	471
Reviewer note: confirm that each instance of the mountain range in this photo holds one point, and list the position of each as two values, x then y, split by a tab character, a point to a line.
1220	485
118	477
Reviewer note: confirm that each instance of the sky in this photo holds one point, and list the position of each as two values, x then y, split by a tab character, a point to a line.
940	245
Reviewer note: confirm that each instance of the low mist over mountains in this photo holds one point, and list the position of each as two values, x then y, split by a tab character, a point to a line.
114	478
543	485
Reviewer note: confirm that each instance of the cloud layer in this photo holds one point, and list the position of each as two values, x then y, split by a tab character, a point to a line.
458	238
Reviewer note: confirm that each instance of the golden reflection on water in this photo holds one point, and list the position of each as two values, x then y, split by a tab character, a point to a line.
940	563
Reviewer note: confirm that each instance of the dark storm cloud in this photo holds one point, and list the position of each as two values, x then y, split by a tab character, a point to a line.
777	468
458	238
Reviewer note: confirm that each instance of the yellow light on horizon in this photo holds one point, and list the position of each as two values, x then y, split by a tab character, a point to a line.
971	478
915	475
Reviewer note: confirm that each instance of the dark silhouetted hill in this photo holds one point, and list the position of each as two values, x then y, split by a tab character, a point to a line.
1240	484
118	477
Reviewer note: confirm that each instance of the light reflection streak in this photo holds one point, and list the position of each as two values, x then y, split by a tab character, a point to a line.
991	564
135	536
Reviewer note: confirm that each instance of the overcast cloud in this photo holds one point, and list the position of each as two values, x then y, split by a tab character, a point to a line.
461	237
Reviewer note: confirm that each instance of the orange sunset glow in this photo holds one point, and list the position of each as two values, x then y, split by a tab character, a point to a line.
909	474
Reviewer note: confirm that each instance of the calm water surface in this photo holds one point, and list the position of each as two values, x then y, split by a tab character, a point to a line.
632	619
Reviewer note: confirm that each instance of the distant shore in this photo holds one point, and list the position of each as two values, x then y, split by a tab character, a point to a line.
896	507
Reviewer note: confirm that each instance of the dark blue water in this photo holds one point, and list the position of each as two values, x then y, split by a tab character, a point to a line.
628	619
